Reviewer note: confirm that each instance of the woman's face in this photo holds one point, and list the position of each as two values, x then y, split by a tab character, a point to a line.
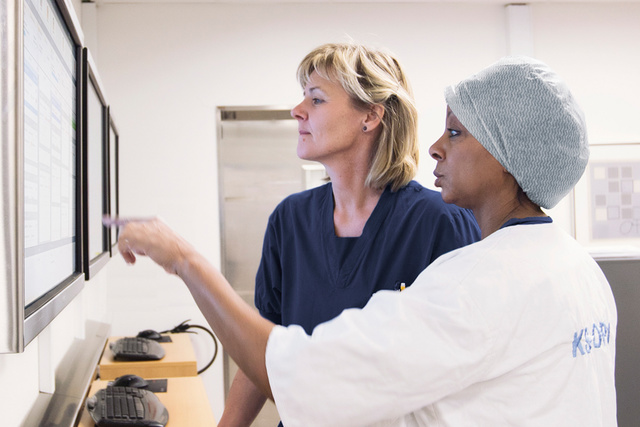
467	173
328	122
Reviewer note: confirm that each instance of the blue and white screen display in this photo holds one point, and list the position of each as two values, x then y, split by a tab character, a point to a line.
50	87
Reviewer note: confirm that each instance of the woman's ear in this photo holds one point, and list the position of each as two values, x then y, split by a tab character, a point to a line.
374	117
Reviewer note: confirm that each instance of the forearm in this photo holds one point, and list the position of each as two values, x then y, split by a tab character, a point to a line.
243	404
241	330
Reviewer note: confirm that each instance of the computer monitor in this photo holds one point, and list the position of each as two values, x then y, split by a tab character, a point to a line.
114	179
41	231
95	169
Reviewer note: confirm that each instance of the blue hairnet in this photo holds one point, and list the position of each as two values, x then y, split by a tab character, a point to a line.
525	116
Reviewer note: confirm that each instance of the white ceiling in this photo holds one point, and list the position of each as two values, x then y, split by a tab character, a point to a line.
362	1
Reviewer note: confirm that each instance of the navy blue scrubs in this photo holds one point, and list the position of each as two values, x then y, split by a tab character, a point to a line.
308	275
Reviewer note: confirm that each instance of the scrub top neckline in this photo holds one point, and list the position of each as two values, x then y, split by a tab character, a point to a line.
360	243
527	221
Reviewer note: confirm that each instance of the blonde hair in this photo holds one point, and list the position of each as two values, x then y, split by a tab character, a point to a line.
374	77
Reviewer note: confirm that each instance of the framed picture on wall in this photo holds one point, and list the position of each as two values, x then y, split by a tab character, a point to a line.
607	199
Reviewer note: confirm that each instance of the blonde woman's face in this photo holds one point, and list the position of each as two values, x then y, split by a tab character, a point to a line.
329	125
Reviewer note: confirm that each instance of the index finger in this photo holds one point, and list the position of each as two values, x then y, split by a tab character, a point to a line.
112	221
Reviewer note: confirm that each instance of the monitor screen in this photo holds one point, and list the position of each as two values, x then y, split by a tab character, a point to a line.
96	243
95	172
50	163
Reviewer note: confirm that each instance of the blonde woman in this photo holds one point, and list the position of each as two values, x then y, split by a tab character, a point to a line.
371	227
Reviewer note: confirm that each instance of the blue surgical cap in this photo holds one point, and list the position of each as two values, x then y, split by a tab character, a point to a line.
525	116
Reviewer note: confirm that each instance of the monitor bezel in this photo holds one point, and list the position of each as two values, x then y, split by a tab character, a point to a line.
21	323
90	77
114	148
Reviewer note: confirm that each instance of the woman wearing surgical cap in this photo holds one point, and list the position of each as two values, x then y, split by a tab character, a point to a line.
517	329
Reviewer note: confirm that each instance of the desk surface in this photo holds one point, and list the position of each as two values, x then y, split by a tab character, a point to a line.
179	361
185	399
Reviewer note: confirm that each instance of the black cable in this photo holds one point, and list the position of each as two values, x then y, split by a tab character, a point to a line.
184	328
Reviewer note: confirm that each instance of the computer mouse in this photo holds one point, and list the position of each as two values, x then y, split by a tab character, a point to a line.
130	380
150	334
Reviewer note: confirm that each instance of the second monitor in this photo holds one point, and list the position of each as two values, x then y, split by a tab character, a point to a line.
95	169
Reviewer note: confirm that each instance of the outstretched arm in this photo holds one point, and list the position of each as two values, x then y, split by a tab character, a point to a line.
243	404
241	330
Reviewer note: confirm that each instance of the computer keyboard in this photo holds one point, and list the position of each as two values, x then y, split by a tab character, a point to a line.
116	406
136	348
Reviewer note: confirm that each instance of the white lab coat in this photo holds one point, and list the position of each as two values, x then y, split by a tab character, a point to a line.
515	330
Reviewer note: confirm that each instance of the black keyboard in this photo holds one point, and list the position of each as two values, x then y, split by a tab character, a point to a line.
136	348
126	407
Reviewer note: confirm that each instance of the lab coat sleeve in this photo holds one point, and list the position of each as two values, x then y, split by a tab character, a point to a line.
403	351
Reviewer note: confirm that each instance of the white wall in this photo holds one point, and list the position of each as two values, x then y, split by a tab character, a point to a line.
166	68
